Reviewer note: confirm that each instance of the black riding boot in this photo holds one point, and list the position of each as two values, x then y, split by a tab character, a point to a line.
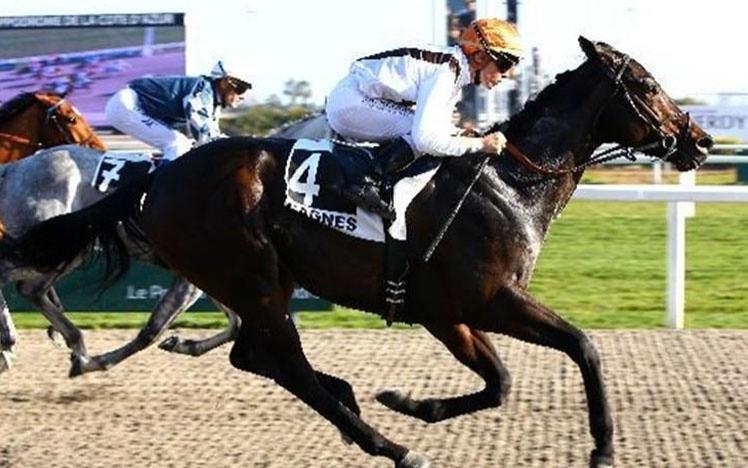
395	273
366	192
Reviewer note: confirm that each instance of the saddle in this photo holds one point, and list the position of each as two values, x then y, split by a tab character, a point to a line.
370	173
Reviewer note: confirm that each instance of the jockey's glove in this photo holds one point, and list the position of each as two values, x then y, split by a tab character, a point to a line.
494	143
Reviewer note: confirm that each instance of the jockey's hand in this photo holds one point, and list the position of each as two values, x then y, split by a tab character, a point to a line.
494	143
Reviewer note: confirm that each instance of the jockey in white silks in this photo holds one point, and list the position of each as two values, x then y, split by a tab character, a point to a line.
411	93
175	113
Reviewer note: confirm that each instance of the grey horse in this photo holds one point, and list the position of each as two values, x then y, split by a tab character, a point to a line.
57	181
54	182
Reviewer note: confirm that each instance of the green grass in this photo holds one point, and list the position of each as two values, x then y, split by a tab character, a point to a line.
101	320
602	266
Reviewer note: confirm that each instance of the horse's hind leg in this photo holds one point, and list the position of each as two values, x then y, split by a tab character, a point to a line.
473	349
271	347
52	333
177	344
8	336
519	315
180	296
37	292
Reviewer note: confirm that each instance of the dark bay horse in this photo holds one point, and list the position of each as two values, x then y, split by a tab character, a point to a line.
217	217
31	121
57	181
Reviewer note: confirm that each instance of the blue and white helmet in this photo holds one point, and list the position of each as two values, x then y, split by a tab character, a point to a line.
238	76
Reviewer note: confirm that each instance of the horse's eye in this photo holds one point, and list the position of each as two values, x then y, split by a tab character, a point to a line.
649	85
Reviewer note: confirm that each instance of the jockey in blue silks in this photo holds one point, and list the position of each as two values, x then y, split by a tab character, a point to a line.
175	113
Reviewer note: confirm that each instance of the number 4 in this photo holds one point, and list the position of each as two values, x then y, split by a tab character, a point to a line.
309	189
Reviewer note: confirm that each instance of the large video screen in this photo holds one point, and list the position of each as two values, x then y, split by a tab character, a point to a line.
89	57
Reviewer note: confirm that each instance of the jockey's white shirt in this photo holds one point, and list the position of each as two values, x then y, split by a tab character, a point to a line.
431	78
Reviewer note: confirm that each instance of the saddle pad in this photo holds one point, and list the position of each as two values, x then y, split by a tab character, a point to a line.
312	174
115	169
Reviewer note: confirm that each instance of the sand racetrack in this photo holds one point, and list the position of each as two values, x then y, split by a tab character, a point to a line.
679	399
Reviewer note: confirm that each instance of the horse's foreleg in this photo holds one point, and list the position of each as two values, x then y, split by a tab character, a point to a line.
8	335
177	344
473	349
180	296
519	315
37	292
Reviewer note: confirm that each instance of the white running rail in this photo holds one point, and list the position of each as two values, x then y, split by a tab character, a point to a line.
680	199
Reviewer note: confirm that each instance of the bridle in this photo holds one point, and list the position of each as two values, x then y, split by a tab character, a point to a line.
52	115
645	113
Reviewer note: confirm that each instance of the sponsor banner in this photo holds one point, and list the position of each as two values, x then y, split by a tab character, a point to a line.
722	121
139	291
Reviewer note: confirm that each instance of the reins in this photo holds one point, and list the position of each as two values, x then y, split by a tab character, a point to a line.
51	114
17	139
610	154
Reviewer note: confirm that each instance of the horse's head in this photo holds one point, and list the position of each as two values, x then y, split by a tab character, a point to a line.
63	124
641	115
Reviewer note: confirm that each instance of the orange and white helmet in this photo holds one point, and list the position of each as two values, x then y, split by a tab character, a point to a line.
498	38
238	77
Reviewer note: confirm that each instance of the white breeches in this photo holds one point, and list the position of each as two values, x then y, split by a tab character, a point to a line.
124	114
354	115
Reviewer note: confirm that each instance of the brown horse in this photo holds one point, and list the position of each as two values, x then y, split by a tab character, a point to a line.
217	217
31	121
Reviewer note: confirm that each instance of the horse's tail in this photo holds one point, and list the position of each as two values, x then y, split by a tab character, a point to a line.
55	244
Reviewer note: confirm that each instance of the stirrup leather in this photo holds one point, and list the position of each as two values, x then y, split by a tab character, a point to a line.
394	296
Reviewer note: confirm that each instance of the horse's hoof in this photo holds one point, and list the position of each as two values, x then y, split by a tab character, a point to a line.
391	398
6	360
413	460
346	440
78	366
170	343
598	460
55	336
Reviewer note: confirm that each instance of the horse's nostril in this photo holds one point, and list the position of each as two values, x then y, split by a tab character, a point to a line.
705	142
669	142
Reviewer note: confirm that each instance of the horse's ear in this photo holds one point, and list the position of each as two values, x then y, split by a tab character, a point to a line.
589	48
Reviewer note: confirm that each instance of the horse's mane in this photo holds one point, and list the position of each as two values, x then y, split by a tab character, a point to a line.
16	105
535	108
20	103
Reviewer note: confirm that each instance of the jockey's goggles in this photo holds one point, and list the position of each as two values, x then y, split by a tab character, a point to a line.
504	62
238	85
